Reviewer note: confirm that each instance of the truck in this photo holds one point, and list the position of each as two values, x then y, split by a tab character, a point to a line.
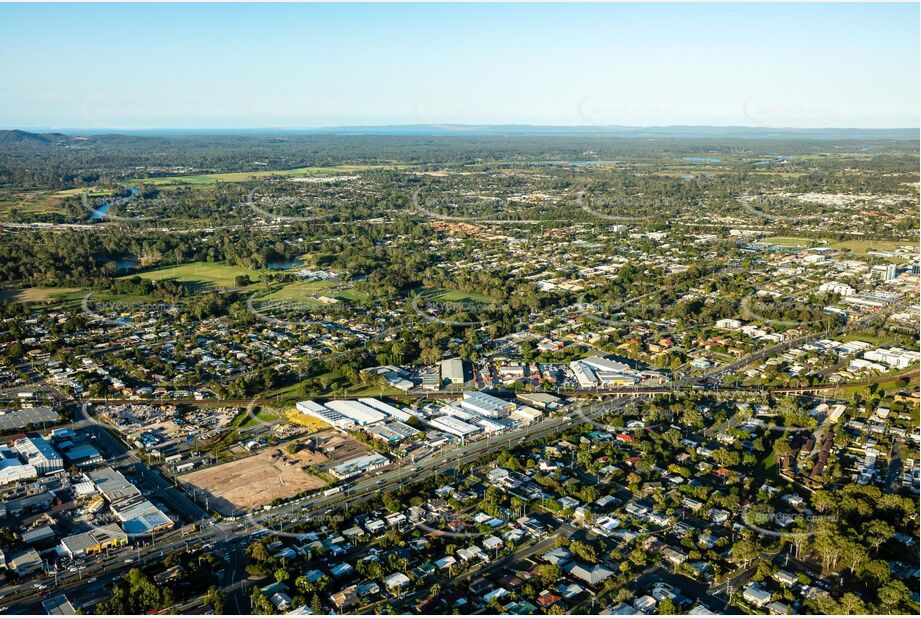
332	491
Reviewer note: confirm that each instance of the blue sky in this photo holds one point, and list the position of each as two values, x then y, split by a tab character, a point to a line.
134	66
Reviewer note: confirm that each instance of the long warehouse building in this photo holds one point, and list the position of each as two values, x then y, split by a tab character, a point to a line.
486	405
386	408
360	413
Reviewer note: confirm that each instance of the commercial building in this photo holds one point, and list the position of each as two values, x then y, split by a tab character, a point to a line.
452	371
360	413
430	380
392	432
486	405
139	516
542	401
93	541
20	419
136	514
25	563
600	363
12	470
359	465
584	374
454	426
36	451
526	415
112	484
835	287
898	358
38	535
386	408
83	455
491	425
321	412
58	605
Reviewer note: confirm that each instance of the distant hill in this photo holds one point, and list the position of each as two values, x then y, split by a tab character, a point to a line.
18	137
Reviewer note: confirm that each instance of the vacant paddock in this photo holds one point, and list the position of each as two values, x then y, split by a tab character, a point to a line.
246	484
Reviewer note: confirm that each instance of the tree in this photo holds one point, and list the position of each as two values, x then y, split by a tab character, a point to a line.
828	546
259	604
316	607
893	594
876	532
853	555
257	551
850	603
584	551
745	551
215	599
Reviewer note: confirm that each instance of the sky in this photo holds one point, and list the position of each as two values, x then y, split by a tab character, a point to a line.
141	66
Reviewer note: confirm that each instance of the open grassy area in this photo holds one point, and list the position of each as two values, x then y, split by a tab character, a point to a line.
307	291
856	247
453	296
36	295
877	341
262	416
790	241
210	179
861	247
200	274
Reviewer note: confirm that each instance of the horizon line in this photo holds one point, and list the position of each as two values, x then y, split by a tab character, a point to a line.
453	125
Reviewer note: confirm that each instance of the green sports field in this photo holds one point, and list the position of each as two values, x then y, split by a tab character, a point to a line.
306	291
200	274
790	241
861	247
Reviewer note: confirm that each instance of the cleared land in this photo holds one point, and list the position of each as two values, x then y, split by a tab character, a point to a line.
251	483
200	274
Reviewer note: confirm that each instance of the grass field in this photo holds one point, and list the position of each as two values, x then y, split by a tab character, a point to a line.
860	247
210	179
305	291
35	295
856	247
200	274
35	202
789	241
453	296
245	419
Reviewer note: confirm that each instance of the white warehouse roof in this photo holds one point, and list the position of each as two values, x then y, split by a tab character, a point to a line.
486	405
454	426
357	411
386	408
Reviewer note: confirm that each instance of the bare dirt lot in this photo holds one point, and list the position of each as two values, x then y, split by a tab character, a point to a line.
240	486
